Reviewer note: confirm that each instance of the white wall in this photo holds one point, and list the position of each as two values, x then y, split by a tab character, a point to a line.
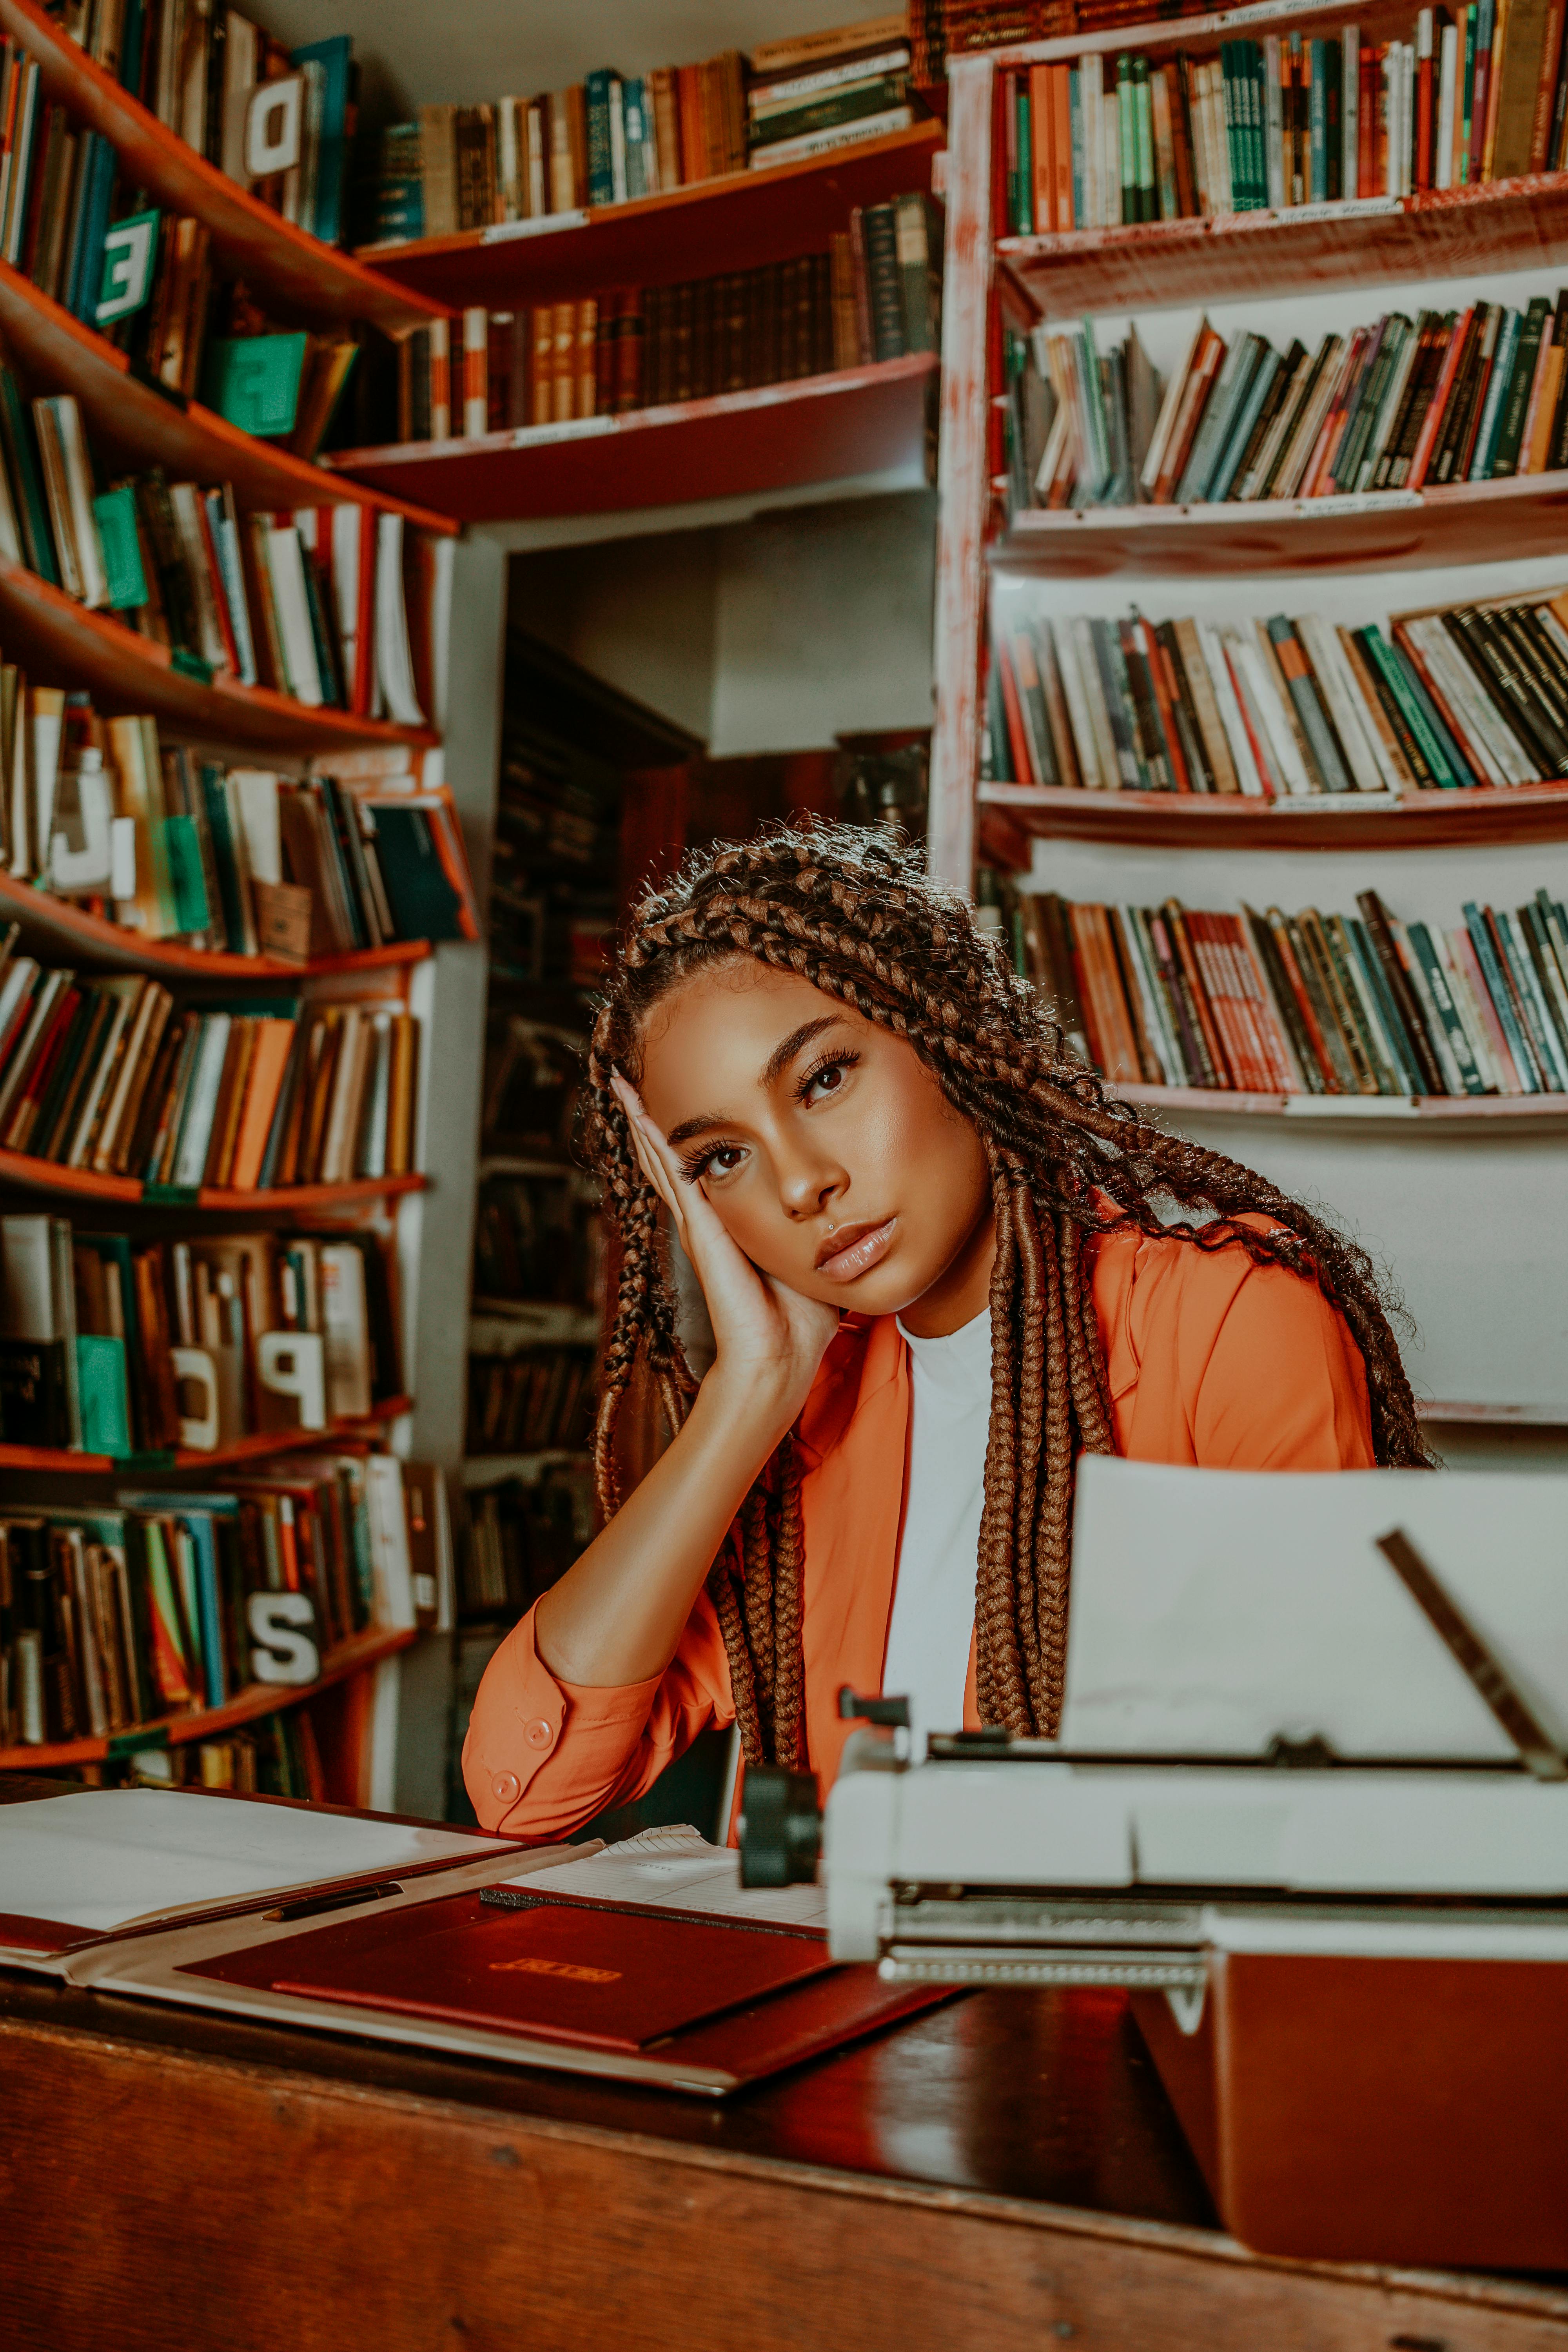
412	54
775	634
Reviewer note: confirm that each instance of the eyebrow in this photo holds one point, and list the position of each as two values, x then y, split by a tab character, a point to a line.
778	1061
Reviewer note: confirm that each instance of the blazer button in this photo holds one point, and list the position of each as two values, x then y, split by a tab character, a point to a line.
506	1787
540	1734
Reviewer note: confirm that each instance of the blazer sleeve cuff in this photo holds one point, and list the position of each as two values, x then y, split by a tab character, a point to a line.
520	1715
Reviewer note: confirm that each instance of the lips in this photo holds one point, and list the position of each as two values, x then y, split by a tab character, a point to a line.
847	1255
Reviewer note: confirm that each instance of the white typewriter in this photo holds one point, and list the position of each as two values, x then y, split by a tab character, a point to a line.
1309	1809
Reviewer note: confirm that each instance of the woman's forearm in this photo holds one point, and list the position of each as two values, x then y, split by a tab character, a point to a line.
617	1614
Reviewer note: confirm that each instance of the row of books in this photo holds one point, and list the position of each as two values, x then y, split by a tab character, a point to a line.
876	295
142	1612
110	1076
1308	1004
1461	695
1273	124
530	1401
312	604
521	1536
1476	395
614	139
239	860
274	1756
111	1343
532	1074
535	1238
280	121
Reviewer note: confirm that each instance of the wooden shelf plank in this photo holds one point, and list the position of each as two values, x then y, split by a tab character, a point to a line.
135	428
738	221
295	271
74	931
1424	820
61	643
44	1176
1408	1111
352	1657
820	428
257	1447
1444	233
1467	522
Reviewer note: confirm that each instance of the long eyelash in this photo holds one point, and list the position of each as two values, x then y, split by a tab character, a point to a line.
695	1165
845	1060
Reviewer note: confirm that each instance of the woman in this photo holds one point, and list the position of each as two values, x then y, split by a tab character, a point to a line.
938	1263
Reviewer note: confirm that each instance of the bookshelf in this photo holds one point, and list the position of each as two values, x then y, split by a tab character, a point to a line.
347	1719
122	670
351	1659
1451	1195
737	221
778	437
314	281
138	425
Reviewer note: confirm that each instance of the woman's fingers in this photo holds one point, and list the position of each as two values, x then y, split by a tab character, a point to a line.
654	1156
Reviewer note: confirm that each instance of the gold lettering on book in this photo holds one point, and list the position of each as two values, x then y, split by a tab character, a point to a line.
571	1968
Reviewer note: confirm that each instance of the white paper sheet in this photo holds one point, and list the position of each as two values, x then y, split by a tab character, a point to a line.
111	1857
676	1868
1212	1610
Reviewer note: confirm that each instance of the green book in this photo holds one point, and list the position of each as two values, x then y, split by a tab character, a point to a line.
1126	136
1023	215
1397	679
254	381
1143	123
26	480
1516	400
105	1394
187	880
114	511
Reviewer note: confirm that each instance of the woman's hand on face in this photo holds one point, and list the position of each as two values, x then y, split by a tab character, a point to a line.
769	1339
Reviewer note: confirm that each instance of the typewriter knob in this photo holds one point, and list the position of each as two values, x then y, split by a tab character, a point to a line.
781	1828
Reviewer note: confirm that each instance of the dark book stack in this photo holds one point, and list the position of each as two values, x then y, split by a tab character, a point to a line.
116	1344
875	295
533	1402
1477	395
520	1538
136	1612
1307	1003
535	1237
1455	696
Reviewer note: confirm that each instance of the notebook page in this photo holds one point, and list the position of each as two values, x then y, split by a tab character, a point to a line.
111	1857
678	1868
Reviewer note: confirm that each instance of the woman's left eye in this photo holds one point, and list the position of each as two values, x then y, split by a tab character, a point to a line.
827	1079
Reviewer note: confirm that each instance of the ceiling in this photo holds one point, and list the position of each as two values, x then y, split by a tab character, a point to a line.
414	53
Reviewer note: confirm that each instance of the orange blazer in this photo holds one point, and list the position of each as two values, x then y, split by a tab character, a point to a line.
1213	1361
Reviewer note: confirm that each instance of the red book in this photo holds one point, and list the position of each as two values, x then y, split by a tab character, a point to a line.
1042	127
1367	182
363	690
1061	145
1018	739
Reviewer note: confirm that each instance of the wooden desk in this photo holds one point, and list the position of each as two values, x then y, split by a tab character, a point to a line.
999	2174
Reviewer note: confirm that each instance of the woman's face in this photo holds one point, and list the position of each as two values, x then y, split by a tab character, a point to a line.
826	1145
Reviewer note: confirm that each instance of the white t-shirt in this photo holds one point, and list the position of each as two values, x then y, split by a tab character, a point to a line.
933	1596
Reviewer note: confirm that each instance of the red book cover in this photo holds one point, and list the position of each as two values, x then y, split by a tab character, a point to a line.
1017	741
1367	182
1042	127
554	1967
1061	146
1424	96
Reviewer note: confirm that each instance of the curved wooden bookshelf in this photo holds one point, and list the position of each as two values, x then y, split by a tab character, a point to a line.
296	271
61	643
1466	522
85	1183
1157	264
1459	1112
1422	820
820	428
257	1447
136	427
350	1657
72	929
739	222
